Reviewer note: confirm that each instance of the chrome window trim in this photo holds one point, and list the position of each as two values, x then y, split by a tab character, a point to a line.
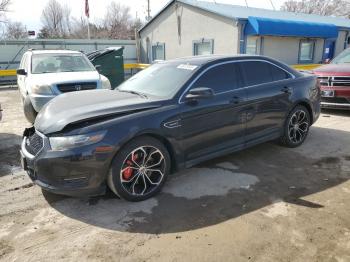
229	62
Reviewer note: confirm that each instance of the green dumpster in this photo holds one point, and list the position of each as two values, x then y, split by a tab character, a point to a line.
110	63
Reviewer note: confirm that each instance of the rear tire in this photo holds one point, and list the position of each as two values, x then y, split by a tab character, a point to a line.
29	111
140	169
296	127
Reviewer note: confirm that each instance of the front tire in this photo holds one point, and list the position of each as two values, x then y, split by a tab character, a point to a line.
296	127
140	169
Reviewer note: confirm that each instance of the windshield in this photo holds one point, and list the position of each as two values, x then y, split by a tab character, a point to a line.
162	79
56	63
342	58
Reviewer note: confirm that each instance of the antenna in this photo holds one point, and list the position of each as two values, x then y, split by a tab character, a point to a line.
273	6
246	3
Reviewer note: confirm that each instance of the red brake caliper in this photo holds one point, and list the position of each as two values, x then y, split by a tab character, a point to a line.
128	172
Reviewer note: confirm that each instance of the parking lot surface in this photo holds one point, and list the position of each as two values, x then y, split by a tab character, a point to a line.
266	203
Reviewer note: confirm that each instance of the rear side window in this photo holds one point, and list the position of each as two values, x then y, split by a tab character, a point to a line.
258	72
278	73
220	78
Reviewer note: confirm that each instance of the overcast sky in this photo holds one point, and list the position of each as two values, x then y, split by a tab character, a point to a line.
29	11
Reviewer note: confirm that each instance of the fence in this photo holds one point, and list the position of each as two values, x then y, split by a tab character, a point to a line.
13	50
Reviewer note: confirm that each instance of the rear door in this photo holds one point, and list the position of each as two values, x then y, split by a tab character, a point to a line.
214	124
268	99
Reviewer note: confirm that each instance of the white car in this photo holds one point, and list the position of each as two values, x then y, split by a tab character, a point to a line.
44	74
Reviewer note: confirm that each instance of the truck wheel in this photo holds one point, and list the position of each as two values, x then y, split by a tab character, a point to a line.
29	111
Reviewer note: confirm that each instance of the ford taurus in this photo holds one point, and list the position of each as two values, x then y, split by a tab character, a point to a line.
172	115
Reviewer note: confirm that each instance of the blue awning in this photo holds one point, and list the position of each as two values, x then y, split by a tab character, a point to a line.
278	27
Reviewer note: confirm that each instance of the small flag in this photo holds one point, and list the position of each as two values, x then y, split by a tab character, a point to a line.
87	10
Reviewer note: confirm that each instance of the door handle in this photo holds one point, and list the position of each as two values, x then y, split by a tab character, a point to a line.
286	90
236	100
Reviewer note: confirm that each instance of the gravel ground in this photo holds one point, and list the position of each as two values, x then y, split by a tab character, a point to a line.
267	203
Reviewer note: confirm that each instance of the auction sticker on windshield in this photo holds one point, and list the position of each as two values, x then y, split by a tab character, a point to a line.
187	67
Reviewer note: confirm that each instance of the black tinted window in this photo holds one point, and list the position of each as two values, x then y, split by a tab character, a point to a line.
256	72
278	73
220	78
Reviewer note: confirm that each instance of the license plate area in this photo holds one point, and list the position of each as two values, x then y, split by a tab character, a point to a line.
327	93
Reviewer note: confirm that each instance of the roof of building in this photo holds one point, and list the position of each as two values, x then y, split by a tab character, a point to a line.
242	12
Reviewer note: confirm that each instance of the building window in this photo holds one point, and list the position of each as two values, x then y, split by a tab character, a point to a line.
252	46
306	51
158	51
203	47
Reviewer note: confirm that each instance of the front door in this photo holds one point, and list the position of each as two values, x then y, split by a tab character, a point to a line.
212	125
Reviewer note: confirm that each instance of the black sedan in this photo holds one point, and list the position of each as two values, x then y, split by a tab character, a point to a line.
172	115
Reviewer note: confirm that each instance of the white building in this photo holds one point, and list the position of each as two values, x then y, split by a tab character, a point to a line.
190	27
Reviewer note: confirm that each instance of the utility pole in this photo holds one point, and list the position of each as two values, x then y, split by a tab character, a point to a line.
148	10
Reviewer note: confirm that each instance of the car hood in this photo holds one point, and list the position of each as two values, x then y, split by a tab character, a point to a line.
333	70
87	105
64	77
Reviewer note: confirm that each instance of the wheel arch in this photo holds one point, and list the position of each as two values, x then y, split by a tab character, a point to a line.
168	145
308	107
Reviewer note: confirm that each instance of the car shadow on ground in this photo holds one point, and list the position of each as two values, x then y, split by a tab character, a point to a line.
222	189
9	153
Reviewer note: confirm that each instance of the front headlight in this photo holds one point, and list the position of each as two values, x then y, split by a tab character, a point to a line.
105	82
42	89
59	143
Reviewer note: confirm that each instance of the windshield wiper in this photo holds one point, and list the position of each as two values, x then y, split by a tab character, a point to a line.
134	92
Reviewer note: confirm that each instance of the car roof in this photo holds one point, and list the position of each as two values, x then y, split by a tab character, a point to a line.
205	59
54	52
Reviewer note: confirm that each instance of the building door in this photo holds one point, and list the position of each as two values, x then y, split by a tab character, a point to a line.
328	52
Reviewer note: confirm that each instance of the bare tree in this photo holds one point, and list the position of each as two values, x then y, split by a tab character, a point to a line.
118	21
319	7
15	30
4	5
56	20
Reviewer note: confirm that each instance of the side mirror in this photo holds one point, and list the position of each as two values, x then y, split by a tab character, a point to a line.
97	67
200	93
21	72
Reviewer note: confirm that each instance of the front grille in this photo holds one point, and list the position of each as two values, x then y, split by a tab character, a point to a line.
34	143
338	100
341	81
64	88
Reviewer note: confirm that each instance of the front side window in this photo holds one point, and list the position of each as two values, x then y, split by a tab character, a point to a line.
158	52
162	79
203	47
56	63
306	51
220	78
342	58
